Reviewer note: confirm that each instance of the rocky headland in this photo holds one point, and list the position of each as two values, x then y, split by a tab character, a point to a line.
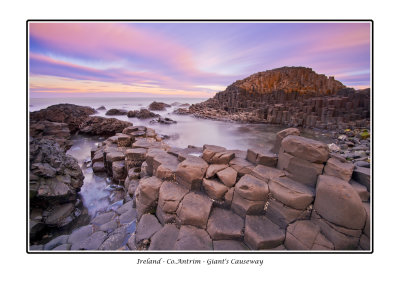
291	96
299	196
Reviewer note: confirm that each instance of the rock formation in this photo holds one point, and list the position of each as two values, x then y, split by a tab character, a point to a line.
293	96
142	114
158	106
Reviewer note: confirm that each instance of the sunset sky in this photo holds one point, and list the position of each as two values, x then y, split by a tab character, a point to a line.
186	59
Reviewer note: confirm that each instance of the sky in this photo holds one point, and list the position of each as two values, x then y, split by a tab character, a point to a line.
190	59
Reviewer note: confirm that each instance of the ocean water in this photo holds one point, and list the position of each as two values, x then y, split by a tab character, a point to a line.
188	130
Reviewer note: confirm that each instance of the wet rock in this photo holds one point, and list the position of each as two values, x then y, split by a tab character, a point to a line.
364	242
60	240
228	245
125	207
163	120
262	233
128	216
36	248
165	238
118	170
305	235
214	168
266	173
251	188
336	168
80	234
101	108
193	238
98	167
158	106
337	202
291	193
307	149
225	225
103	218
146	228
227	176
181	111
109	226
190	172
116	112
63	247
115	240
100	126
194	210
214	188
61	215
93	242
142	114
242	166
283	134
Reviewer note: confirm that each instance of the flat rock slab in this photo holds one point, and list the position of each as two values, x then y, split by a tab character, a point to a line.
305	235
242	206
128	216
343	170
251	188
339	203
282	214
125	207
148	190
307	149
193	238
229	245
225	225
80	234
266	173
59	215
115	240
170	196
109	226
227	176
261	233
361	190
291	193
363	176
194	210
210	150
103	218
60	240
214	189
91	243
147	227
63	247
165	238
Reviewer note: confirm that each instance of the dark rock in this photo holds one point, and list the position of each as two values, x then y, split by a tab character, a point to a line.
158	106
194	210
192	238
225	225
363	176
103	218
101	126
214	168
80	234
146	228
101	108
63	247
242	206
228	245
261	233
142	114
165	238
93	242
128	216
190	172
60	240
361	190
115	240
214	188
115	112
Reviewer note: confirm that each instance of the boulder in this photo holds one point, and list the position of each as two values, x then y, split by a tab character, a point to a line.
193	238
116	112
336	168
214	188
142	114
115	240
148	191
98	167
61	215
261	233
210	150
291	193
128	216
304	148
93	242
283	134
190	172
214	168
225	225
158	106
124	140
118	170
80	234
194	210
251	188
241	165
337	202
100	126
103	218
266	173
60	240
242	206
165	238
227	176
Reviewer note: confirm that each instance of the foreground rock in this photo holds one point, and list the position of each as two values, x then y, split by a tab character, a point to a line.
59	132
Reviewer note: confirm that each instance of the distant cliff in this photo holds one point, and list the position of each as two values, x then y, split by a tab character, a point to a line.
294	96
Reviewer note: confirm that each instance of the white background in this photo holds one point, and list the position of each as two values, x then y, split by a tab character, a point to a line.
15	265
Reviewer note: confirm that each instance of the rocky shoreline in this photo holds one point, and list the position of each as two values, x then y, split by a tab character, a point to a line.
302	195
